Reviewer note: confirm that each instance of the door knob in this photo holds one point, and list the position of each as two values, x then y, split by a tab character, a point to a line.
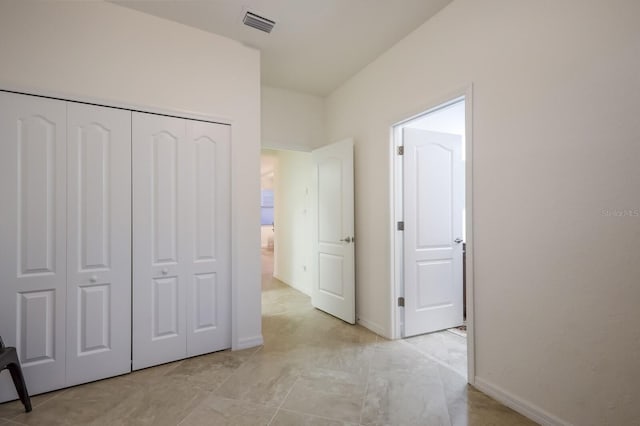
347	240
165	271
457	240
93	278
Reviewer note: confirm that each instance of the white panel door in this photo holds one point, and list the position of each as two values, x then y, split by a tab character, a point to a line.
208	226
33	239
160	163
433	214
333	288
99	243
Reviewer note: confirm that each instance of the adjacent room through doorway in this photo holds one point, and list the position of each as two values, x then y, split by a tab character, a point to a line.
285	221
268	160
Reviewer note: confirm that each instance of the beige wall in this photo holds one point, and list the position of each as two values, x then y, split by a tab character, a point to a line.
109	53
292	189
556	96
293	123
292	120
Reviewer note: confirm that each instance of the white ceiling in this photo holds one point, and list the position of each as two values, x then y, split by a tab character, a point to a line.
316	45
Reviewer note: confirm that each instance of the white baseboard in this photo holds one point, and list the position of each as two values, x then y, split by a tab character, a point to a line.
300	289
523	407
279	278
249	342
370	325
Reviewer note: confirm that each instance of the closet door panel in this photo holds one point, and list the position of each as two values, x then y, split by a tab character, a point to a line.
160	239
33	239
99	243
209	313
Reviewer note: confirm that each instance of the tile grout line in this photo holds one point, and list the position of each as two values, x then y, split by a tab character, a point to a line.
12	422
442	364
364	397
333	419
59	392
236	370
212	393
446	399
366	390
434	359
283	401
218	397
191	411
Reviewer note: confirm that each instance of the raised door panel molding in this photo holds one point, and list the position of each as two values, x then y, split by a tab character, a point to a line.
94	319
35	328
206	303
94	165
434	199
205	199
165	308
164	195
36	181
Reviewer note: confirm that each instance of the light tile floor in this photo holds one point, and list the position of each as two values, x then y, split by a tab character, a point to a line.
312	370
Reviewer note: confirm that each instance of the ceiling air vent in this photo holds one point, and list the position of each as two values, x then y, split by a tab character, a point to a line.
258	22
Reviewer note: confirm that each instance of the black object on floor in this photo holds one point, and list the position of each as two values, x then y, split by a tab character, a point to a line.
9	360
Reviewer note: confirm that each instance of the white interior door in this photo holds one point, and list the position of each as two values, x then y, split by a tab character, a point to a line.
209	280
433	214
33	239
333	289
160	239
99	243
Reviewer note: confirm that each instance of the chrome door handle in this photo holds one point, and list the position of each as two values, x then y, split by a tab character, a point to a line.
457	240
347	240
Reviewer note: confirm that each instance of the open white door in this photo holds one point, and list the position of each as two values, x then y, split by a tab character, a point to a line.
433	215
333	288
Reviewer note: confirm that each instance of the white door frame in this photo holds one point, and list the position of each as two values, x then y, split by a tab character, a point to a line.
396	201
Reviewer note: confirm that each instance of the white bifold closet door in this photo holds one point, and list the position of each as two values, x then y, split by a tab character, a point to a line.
181	238
33	239
65	237
99	243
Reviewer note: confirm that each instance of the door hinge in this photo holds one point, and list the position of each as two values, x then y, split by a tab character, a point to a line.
401	226
401	150
401	302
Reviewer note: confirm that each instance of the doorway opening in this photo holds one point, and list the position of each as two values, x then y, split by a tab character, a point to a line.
432	233
268	161
312	226
285	223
